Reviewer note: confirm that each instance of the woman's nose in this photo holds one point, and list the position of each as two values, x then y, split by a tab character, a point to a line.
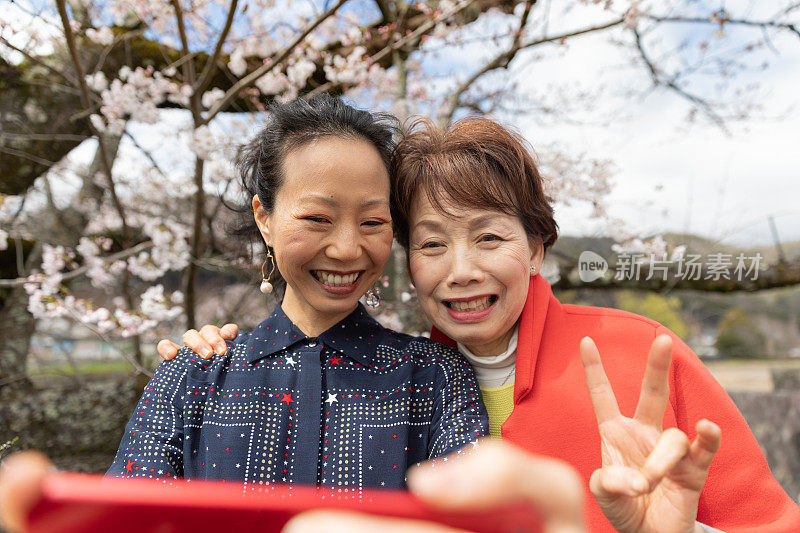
344	245
464	268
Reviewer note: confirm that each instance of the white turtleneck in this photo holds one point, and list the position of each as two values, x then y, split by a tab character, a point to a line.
494	371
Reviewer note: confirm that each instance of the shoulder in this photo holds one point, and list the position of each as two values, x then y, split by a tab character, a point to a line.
602	323
613	317
617	333
188	363
424	351
449	363
419	347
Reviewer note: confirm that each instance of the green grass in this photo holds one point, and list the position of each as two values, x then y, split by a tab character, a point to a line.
112	366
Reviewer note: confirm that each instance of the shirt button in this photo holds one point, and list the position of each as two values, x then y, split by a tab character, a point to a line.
312	344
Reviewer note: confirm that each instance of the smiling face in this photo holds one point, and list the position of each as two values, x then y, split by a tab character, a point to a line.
471	271
330	229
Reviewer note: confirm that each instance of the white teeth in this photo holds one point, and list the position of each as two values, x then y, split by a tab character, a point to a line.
479	304
335	280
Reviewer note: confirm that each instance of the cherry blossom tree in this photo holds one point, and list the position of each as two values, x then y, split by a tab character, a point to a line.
102	242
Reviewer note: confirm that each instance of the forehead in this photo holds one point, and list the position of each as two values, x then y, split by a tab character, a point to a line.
335	165
424	213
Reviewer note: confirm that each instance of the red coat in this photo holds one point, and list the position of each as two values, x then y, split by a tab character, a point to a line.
553	413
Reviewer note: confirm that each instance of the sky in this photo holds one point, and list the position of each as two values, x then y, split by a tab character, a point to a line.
672	176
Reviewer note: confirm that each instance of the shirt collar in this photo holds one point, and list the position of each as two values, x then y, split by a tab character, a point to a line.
356	336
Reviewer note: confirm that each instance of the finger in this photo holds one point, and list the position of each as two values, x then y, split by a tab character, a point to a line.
198	344
229	331
498	473
655	385
672	446
603	399
21	477
167	349
706	443
612	481
349	522
211	334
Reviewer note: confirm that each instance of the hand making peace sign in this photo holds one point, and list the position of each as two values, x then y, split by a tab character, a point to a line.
651	478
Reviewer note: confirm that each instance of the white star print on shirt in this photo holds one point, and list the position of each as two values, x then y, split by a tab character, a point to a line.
331	398
290	361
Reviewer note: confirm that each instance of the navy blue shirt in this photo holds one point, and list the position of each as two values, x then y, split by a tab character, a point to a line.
353	407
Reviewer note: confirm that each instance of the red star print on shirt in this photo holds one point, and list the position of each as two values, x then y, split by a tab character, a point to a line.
287	398
128	466
335	360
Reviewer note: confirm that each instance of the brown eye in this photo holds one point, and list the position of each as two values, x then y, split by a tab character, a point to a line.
488	237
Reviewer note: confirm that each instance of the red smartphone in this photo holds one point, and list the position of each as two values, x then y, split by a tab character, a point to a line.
92	504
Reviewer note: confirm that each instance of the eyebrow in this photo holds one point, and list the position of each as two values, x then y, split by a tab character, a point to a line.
478	221
430	224
330	201
482	220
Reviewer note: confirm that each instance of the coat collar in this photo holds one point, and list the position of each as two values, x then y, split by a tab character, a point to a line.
356	336
531	328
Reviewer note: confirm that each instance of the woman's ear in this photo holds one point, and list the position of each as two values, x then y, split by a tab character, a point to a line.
537	254
262	219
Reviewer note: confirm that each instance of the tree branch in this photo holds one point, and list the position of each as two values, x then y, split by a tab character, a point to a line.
25	155
139	368
43	136
248	80
39	62
421	30
502	60
86	101
210	68
658	79
188	67
18	282
741	22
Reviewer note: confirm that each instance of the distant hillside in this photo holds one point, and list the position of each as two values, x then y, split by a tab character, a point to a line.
569	246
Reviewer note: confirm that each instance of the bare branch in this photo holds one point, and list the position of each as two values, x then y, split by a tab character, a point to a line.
86	101
738	22
43	136
211	65
248	80
574	33
39	62
660	80
25	155
145	153
502	60
188	67
385	9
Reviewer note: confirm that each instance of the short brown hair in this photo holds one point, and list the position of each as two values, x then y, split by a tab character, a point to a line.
475	163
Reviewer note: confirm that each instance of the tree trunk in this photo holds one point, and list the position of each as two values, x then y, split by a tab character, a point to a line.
18	324
15	335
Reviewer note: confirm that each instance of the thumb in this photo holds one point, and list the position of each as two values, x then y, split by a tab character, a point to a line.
21	478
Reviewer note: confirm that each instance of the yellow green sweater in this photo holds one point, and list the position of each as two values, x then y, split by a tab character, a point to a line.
499	404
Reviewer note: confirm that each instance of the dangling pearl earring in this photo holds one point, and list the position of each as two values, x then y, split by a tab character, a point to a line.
533	270
266	286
